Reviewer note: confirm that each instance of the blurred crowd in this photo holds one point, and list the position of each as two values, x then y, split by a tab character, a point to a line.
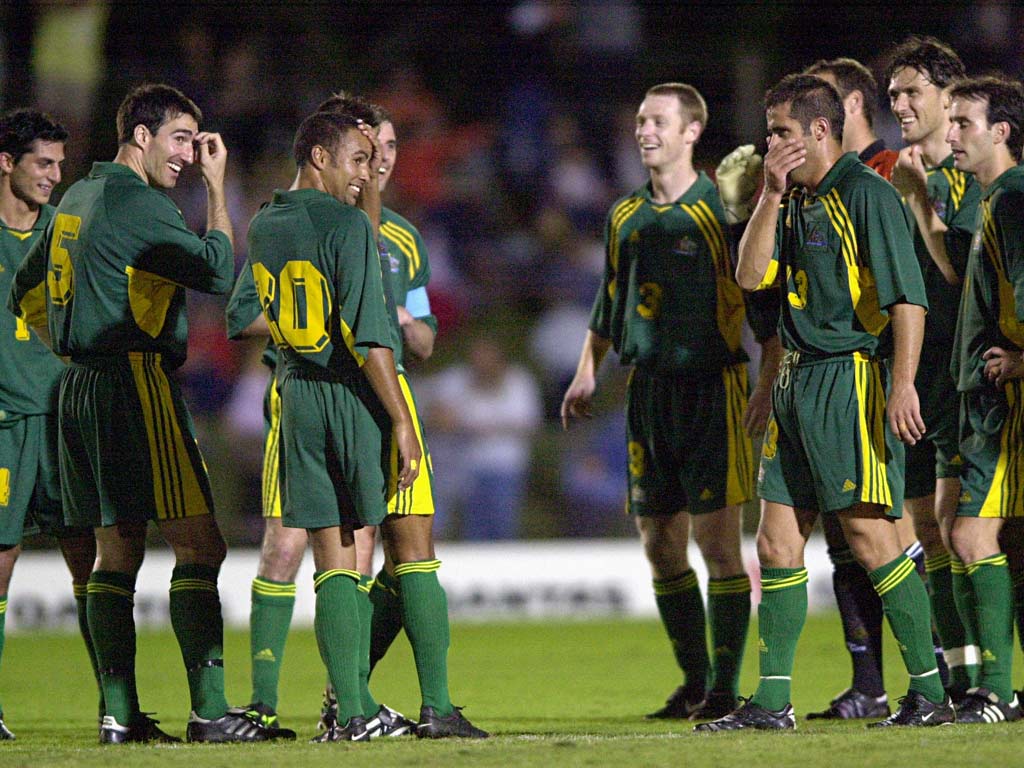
515	128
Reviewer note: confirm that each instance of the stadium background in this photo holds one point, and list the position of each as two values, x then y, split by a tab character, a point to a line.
515	130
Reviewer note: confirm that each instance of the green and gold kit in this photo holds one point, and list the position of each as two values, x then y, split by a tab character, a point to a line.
992	315
843	256
116	260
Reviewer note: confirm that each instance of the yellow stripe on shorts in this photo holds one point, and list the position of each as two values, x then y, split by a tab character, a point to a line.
176	490
271	479
418	498
874	482
1005	497
739	483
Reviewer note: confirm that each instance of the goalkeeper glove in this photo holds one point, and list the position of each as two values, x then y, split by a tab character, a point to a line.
738	176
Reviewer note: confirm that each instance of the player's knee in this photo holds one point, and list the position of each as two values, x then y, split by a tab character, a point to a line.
777	552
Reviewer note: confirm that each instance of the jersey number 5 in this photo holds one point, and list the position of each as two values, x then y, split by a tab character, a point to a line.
60	277
303	304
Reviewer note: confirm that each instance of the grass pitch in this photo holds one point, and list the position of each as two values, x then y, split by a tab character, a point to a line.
569	694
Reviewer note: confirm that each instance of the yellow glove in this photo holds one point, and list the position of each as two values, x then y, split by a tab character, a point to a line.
738	176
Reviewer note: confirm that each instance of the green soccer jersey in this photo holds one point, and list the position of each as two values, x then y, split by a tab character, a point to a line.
318	277
243	308
407	258
116	260
842	257
669	301
992	303
31	372
954	196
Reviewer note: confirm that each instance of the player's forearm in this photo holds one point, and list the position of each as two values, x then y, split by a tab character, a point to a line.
933	232
418	338
758	242
771	356
370	204
217	212
379	369
908	334
594	349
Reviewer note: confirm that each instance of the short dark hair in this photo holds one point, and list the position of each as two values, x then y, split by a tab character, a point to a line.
21	128
1004	103
324	129
152	105
809	97
850	76
360	108
939	63
691	103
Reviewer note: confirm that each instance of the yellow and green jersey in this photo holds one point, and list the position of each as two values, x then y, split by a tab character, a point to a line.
669	301
954	196
115	262
318	280
31	372
842	257
992	301
405	254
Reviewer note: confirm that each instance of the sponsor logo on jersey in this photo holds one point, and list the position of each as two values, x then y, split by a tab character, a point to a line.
849	485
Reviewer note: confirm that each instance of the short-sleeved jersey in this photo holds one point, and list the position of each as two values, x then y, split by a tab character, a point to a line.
29	371
318	277
116	259
954	196
669	301
407	258
243	308
842	257
992	302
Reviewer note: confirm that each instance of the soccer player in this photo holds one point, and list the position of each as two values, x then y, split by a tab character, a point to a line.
838	246
334	155
859	92
943	203
117	258
986	138
31	154
671	308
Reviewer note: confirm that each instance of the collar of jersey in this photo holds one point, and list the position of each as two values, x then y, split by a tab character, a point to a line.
697	190
839	169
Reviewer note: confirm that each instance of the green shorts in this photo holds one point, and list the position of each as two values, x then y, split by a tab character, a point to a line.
992	447
128	449
828	445
29	480
335	448
938	454
271	433
687	448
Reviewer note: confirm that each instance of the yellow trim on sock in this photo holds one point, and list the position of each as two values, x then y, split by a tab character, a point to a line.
193	585
110	589
734	585
80	590
898	574
319	580
956	565
937	563
419	566
270	589
773	585
996	561
684	582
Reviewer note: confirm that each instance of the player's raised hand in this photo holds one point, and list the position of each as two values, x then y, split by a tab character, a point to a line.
782	157
577	399
213	157
737	176
909	175
1001	365
409	453
377	157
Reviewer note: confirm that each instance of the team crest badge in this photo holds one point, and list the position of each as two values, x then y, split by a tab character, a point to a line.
684	246
817	238
940	207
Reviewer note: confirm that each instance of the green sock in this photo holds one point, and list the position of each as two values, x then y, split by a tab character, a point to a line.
990	578
905	602
387	615
109	603
81	604
336	624
780	619
425	612
3	621
370	705
729	617
963	597
199	627
952	632
682	614
1018	606
269	619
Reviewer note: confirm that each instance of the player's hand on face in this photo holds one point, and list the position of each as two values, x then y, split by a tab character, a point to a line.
904	411
909	175
577	400
213	157
782	157
409	454
377	157
1001	365
759	407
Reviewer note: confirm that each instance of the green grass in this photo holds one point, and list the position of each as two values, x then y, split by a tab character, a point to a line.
553	694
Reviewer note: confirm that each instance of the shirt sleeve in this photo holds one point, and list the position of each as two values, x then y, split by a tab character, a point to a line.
244	304
880	220
1010	225
359	288
28	289
169	249
601	312
962	214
